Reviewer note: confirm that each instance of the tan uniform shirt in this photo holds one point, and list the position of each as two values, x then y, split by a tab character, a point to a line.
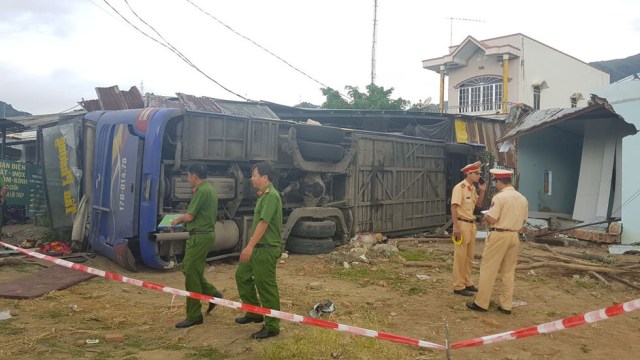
465	195
510	208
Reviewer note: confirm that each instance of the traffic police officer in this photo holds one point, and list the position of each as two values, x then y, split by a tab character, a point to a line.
464	199
507	215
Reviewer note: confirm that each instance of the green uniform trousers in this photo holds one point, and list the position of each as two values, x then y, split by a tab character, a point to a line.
259	274
193	269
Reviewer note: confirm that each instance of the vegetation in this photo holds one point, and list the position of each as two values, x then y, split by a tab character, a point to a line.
375	98
207	353
419	256
619	68
6	110
315	343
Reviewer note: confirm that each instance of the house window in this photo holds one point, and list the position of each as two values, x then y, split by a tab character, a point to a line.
482	94
575	98
548	179
536	97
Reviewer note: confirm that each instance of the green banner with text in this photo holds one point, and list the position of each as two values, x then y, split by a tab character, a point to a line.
25	184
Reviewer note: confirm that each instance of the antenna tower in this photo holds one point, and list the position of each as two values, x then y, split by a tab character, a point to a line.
373	47
451	27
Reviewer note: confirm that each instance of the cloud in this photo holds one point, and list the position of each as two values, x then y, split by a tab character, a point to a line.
38	94
635	24
42	16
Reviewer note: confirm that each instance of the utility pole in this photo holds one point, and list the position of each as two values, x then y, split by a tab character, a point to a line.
451	27
373	47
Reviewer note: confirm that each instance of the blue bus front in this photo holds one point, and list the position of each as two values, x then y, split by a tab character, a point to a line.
126	177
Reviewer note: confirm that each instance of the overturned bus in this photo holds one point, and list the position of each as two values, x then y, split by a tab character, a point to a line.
116	174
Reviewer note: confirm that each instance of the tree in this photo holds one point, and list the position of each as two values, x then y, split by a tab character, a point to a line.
376	98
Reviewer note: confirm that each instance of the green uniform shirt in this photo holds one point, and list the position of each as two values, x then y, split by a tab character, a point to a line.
204	208
269	209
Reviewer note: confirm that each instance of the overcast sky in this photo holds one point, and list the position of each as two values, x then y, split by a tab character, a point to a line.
54	53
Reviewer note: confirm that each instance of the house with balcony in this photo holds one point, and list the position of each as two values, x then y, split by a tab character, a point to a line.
488	76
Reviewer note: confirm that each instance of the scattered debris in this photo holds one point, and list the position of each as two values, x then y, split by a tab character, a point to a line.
624	249
568	260
386	250
366	239
517	303
322	308
5	315
114	338
423	277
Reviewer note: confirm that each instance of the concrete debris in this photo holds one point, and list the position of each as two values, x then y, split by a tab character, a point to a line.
386	250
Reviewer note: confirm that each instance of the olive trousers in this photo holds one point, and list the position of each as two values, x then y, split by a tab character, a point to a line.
195	257
256	281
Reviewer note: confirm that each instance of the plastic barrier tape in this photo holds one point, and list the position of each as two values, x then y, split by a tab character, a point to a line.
232	304
549	327
578	320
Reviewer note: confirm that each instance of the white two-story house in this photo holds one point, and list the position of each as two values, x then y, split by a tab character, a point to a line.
488	76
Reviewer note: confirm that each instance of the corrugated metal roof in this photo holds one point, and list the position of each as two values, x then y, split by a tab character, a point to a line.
33	121
248	109
539	119
91	105
159	101
112	98
199	103
8	124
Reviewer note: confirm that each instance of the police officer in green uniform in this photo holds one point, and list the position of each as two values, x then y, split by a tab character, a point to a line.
256	271
200	219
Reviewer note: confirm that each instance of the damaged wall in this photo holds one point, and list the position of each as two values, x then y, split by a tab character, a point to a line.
624	96
553	150
599	191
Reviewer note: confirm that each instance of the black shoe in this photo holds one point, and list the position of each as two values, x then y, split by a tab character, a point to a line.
212	306
187	323
474	307
506	312
471	288
264	333
463	292
247	320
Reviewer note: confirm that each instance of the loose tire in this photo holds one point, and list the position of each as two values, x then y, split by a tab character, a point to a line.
300	245
317	133
312	151
314	229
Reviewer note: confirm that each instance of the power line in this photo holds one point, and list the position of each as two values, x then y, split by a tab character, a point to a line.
71	108
263	48
172	49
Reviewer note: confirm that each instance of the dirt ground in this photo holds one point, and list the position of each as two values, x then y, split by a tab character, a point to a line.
385	295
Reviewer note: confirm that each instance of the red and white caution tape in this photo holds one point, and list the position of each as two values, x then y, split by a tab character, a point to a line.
233	304
545	328
588	318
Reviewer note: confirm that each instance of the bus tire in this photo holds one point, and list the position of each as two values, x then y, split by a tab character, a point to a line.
314	229
319	133
300	245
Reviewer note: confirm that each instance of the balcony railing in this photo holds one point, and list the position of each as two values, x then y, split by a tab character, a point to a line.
479	109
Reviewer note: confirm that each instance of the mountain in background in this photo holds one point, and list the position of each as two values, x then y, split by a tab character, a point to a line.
619	68
6	110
